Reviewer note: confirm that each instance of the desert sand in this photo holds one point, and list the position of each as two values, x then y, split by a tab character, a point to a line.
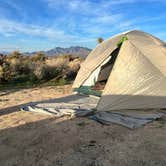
29	139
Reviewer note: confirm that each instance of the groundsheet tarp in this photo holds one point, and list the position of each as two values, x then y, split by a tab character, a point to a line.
73	105
80	106
128	118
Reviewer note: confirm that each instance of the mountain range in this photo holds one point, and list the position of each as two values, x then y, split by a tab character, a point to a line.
74	50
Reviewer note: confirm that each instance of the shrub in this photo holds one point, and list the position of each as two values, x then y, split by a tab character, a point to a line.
61	81
15	55
18	68
73	68
6	73
51	72
38	57
39	71
100	40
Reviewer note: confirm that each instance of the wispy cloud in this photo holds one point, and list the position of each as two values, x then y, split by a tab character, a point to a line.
99	14
11	28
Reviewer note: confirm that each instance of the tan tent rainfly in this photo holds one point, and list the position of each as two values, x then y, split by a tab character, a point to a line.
135	70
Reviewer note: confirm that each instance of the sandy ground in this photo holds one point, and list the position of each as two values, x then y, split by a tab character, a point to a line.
28	139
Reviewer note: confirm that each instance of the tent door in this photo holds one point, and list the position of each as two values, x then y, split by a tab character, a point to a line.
95	84
106	70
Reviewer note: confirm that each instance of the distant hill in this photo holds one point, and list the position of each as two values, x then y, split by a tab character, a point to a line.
74	50
4	52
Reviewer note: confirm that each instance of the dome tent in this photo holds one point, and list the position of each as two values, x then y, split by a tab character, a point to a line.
131	71
134	65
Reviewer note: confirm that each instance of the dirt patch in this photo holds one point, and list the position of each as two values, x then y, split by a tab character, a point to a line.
39	140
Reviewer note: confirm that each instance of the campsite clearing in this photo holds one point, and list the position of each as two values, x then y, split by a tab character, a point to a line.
32	139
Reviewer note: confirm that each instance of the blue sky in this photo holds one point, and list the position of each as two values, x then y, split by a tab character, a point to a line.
29	25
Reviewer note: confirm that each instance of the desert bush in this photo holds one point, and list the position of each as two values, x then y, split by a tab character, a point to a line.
26	67
20	78
15	55
58	62
51	72
2	59
73	68
17	68
100	40
39	57
74	65
45	72
39	71
61	81
5	72
15	62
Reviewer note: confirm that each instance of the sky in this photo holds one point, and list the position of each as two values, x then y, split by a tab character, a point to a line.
33	25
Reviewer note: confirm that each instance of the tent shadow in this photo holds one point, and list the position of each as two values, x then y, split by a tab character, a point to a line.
16	108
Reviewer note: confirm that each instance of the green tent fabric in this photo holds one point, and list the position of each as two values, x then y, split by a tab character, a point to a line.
87	90
124	38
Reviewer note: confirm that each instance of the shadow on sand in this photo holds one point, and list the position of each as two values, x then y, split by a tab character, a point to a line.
16	108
